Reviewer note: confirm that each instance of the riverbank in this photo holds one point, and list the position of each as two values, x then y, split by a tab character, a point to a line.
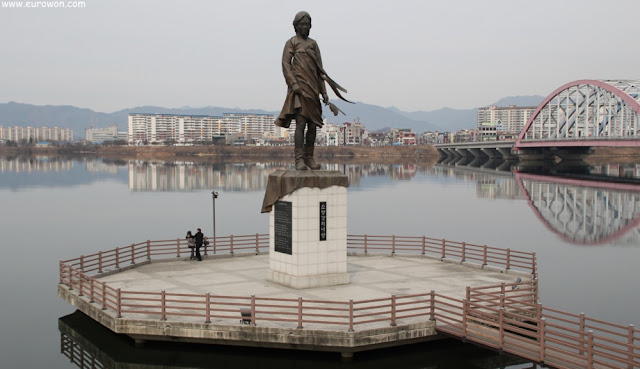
329	154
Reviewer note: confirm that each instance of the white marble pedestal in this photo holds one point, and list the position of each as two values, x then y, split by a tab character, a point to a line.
315	219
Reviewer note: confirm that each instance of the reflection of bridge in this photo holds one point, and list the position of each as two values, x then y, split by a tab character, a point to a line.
584	212
572	119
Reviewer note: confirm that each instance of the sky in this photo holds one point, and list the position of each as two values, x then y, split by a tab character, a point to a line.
414	55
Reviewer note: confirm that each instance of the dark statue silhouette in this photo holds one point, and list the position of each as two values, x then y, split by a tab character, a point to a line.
305	77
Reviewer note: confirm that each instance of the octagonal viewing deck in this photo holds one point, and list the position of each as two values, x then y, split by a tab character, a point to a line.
152	291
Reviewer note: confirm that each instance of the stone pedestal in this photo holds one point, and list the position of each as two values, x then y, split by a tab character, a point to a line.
308	228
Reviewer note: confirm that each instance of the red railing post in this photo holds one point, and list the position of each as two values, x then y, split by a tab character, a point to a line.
351	315
533	266
70	278
393	244
119	303
444	250
299	312
148	250
508	259
178	247
80	286
543	342
163	305
214	245
104	296
82	263
133	254
468	293
501	327
432	313
60	272
465	307
590	349
630	342
117	258
539	311
231	240
582	332
99	261
365	244
424	244
91	291
484	256
253	309
257	244
393	310
208	308
464	251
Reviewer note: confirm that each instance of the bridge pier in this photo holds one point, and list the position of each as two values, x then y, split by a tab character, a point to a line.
478	162
573	153
507	153
492	153
535	154
463	152
478	153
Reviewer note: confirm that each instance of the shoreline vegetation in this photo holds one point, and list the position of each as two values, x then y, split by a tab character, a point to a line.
328	154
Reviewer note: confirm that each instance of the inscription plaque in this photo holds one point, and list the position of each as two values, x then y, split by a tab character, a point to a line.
282	227
323	221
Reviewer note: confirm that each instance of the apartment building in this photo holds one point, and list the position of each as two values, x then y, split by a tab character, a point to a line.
160	128
495	121
35	134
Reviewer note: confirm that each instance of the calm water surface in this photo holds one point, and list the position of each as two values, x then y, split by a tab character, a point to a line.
586	236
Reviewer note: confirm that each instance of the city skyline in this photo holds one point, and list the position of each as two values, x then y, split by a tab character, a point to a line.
414	55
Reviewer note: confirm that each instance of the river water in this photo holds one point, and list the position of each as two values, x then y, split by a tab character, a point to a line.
586	235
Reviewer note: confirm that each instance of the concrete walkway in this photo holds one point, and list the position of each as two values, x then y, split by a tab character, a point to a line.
372	276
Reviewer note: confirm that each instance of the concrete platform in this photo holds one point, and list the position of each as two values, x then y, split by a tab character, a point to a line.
372	276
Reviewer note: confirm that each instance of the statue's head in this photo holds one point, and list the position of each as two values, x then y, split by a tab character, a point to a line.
302	23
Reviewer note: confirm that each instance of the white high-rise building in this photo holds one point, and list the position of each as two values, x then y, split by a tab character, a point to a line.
159	128
36	134
509	120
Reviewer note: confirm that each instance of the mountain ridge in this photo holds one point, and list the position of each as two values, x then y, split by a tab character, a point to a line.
374	117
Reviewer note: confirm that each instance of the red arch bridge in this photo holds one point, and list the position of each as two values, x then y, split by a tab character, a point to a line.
568	123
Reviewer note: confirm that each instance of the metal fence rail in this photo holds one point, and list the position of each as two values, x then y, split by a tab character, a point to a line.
443	249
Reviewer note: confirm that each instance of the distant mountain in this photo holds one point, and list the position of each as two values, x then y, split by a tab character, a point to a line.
446	119
64	116
527	100
375	118
456	119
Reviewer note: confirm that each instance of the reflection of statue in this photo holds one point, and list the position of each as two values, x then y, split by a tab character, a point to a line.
305	77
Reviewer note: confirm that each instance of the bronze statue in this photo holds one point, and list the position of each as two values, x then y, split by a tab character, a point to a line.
305	77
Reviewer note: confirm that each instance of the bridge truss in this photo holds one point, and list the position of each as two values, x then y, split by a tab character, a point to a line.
586	113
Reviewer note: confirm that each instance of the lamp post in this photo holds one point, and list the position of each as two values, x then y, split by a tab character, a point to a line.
214	195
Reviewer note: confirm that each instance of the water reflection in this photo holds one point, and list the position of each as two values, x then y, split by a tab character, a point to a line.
35	164
188	176
580	211
586	212
88	344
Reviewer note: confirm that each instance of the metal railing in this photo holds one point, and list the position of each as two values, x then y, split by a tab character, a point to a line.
440	248
507	317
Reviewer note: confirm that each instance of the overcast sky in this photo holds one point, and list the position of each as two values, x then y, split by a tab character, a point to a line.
414	55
